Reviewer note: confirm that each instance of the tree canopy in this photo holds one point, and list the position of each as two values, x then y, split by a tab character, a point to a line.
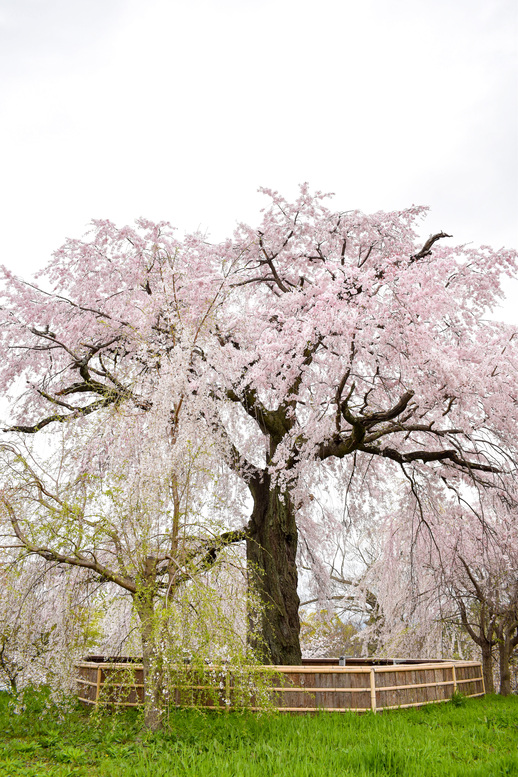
320	344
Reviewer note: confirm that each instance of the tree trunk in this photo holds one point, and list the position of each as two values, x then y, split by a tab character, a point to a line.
504	658
272	570
144	605
152	689
487	667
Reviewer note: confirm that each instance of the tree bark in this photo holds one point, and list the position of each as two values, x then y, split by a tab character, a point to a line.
152	705
271	558
507	641
481	637
504	656
487	666
145	607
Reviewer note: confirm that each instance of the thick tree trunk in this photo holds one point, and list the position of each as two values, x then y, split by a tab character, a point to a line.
272	570
487	667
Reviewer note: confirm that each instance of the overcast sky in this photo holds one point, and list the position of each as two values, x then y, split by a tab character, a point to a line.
181	109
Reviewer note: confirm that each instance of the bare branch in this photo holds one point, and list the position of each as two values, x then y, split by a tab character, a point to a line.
426	249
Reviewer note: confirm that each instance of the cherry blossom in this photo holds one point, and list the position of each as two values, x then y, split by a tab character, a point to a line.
319	343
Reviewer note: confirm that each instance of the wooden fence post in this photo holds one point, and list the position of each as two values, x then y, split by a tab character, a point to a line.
98	686
227	690
373	690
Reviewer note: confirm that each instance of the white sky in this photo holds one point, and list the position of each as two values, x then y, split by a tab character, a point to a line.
180	109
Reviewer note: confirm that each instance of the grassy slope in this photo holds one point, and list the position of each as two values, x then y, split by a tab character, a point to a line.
478	738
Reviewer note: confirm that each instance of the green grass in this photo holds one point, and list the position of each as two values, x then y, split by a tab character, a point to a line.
475	737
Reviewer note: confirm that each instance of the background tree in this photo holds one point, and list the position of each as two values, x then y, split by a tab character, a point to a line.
324	634
481	575
46	623
326	344
339	605
459	570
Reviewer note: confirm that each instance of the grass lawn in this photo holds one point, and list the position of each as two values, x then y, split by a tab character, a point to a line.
476	737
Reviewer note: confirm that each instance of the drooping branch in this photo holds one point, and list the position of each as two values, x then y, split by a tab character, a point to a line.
430	456
61	418
88	385
77	560
357	439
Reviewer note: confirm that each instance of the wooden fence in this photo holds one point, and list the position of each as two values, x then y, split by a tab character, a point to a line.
305	689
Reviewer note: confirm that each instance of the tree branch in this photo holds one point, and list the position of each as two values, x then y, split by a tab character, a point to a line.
78	560
426	249
57	417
